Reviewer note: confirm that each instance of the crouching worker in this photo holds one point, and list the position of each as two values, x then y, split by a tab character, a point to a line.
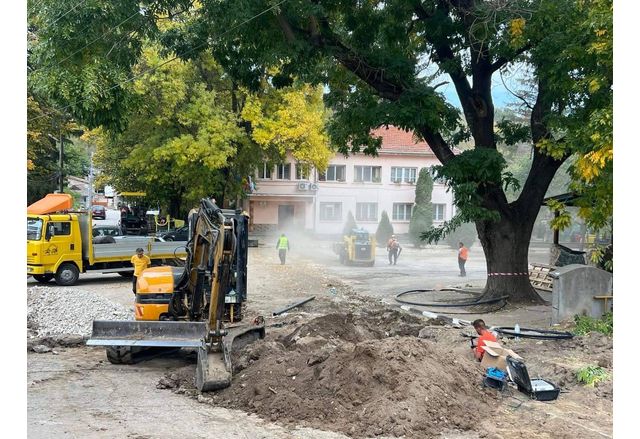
484	335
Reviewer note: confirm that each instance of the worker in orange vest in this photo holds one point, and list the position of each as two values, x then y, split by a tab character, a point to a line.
484	334
463	254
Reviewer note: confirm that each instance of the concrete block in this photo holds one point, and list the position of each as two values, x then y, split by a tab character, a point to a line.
573	289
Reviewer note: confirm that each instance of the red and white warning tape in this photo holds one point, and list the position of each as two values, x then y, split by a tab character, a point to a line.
507	274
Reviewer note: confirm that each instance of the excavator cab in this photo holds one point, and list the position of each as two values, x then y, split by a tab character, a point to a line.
195	306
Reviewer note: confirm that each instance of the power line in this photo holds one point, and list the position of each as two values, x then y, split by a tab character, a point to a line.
62	15
172	59
100	37
70	10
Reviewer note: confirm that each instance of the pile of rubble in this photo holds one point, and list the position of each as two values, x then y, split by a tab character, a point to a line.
57	315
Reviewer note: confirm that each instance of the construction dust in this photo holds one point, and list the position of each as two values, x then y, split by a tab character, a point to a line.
363	375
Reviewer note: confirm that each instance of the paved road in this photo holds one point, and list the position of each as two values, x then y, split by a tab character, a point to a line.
113	216
434	267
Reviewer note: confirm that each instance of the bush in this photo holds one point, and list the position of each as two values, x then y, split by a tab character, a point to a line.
591	375
349	225
466	234
586	324
422	215
385	229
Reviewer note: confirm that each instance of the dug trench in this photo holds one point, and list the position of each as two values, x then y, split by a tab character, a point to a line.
364	375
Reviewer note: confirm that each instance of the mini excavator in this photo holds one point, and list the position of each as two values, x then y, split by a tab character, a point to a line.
197	306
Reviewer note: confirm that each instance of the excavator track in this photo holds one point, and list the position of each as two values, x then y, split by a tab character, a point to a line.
133	355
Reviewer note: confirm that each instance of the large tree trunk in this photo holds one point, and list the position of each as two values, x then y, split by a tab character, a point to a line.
506	247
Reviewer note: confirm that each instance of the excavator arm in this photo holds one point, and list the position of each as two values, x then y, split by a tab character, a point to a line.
214	273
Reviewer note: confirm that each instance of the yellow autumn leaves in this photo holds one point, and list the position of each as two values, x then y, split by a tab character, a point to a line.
291	119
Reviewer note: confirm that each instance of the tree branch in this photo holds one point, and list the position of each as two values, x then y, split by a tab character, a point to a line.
438	145
544	166
321	36
503	60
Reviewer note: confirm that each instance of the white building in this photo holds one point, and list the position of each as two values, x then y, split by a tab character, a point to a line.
285	199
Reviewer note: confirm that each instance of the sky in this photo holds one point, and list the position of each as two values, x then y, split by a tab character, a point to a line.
502	92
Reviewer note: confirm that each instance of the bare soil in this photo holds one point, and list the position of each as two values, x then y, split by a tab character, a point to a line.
344	365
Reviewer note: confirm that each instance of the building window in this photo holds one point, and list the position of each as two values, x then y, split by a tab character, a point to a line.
264	172
302	171
366	211
334	173
283	171
438	212
331	211
402	211
403	175
368	174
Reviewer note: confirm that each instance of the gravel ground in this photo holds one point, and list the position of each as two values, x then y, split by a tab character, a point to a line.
55	312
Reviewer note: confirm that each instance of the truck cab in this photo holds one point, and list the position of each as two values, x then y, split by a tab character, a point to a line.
54	247
60	245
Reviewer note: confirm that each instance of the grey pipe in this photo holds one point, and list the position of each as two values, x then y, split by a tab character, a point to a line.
302	302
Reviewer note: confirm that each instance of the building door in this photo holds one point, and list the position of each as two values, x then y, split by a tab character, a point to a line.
285	216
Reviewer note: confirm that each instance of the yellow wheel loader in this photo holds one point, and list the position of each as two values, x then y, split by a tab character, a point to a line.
358	247
197	306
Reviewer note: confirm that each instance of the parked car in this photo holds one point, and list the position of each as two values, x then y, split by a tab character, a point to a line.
106	231
98	212
115	232
180	234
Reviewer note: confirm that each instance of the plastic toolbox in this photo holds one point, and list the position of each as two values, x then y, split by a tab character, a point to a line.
538	389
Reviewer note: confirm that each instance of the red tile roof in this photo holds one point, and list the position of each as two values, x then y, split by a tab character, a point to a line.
398	141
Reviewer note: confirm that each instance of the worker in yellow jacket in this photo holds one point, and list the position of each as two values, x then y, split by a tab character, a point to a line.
140	261
282	246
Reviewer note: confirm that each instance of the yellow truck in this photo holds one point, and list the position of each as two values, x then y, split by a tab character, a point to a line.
60	245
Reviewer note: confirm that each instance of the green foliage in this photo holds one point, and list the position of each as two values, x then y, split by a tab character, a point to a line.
587	324
76	159
185	141
512	133
44	126
380	63
581	78
602	256
349	225
592	375
471	174
563	220
384	230
422	214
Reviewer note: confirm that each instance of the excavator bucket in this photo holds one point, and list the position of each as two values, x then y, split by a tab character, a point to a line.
214	368
126	342
147	334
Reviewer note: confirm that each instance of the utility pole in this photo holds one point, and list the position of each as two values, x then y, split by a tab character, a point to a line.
90	195
61	162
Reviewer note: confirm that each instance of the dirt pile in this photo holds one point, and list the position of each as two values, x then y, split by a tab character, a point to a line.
363	375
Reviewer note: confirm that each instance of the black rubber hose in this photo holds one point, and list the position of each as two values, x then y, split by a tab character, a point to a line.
543	334
446	305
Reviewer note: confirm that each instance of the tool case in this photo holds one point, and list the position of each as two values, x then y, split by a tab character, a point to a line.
538	389
495	378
